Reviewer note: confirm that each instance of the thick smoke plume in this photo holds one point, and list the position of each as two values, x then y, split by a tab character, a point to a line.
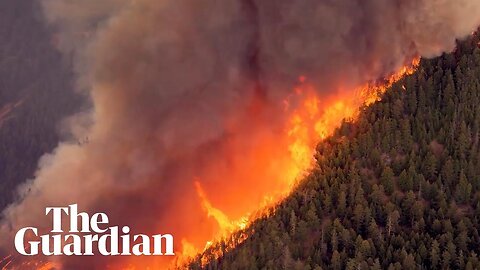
190	90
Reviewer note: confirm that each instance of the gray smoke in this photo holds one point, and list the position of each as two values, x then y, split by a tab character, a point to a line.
175	84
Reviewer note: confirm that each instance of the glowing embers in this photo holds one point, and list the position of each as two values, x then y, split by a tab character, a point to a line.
11	262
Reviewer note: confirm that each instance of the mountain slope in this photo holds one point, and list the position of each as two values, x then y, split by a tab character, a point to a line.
397	189
36	92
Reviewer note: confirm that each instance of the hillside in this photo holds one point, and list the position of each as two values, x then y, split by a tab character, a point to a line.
35	93
397	189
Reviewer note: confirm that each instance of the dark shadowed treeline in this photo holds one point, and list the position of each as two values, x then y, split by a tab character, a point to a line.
398	189
35	93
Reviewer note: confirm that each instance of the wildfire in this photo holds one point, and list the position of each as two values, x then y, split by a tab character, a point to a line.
9	263
226	225
276	163
311	122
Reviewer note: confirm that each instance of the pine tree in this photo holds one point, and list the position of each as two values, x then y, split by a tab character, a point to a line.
463	190
387	180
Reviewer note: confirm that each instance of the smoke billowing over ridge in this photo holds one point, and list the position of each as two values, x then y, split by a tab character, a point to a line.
192	90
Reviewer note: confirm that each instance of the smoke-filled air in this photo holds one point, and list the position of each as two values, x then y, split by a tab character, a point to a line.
205	112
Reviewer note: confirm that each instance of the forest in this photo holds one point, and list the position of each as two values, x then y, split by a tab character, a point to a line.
397	189
36	93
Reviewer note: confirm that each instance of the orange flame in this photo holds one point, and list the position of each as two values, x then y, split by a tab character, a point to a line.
311	118
313	121
226	225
